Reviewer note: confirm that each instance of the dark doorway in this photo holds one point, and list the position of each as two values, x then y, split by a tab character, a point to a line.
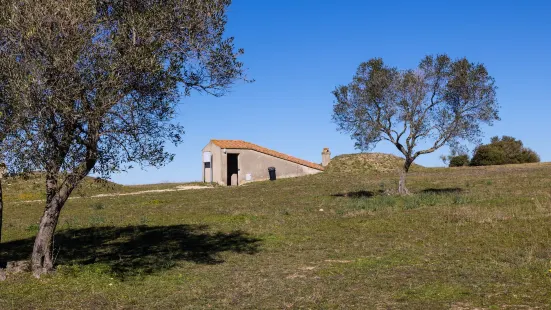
233	168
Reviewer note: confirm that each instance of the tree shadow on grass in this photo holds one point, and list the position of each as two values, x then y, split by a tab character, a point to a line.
447	190
357	194
369	194
136	250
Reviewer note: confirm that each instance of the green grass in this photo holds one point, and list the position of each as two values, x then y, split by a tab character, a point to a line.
467	238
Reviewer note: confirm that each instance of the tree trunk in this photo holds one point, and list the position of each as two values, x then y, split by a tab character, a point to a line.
402	189
42	260
42	257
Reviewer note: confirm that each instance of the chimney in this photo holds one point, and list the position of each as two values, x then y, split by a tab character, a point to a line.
325	157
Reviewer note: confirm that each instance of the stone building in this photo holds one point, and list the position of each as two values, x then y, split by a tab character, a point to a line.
235	162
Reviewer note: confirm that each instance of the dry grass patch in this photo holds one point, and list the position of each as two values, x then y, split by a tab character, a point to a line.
368	162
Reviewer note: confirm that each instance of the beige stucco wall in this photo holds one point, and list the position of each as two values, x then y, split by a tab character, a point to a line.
252	162
257	164
216	164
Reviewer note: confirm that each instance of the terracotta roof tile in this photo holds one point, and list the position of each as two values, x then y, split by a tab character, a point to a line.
239	144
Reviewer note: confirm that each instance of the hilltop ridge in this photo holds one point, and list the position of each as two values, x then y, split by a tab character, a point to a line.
367	162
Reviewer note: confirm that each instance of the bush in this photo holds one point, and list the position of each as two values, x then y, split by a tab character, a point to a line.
459	161
506	150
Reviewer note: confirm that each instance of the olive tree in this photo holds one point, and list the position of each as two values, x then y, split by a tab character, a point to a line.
441	102
101	80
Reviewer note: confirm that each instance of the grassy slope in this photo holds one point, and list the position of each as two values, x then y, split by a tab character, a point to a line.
32	188
468	237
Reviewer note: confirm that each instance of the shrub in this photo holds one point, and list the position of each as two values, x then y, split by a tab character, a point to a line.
506	150
459	161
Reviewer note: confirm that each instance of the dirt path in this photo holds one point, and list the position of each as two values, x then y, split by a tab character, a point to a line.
175	189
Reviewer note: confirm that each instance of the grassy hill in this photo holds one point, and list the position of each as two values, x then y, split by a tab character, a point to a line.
33	187
367	163
468	238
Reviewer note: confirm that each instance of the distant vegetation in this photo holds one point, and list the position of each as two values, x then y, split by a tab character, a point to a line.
500	151
506	150
459	160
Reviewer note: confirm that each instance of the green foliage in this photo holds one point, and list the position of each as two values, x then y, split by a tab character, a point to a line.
506	150
459	161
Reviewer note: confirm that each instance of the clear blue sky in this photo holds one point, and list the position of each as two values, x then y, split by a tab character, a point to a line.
298	51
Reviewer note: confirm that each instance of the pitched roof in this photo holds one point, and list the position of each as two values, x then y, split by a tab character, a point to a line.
239	144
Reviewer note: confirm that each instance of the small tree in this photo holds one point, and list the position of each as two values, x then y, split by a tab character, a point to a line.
506	150
441	102
459	160
101	79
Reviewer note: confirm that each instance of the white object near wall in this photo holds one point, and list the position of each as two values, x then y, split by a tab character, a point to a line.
206	157
248	177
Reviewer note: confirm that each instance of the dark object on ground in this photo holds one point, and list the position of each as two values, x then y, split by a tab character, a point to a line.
358	194
272	172
447	190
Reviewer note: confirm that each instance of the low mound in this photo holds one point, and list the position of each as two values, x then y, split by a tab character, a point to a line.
367	162
33	187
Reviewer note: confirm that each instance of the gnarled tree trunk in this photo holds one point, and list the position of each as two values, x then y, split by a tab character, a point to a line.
42	260
402	189
42	257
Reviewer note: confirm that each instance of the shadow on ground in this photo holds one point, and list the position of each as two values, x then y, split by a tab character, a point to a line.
368	194
137	250
358	194
448	190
